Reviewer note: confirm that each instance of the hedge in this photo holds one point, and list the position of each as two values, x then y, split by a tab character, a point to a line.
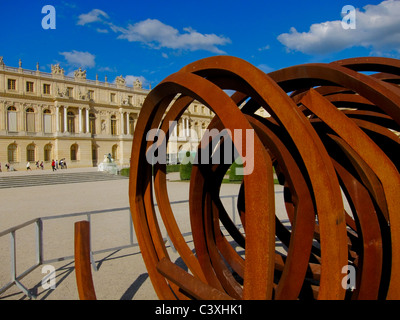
232	172
125	172
185	170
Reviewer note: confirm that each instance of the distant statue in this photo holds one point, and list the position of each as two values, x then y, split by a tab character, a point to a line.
120	81
79	74
137	84
108	158
56	69
60	93
2	62
81	95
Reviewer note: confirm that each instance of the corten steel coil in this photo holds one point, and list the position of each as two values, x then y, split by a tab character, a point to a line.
332	137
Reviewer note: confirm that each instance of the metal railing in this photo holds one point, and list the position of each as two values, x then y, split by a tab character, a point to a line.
15	277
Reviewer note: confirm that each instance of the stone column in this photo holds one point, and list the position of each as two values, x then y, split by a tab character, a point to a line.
122	123
127	123
3	121
80	119
175	132
40	127
65	119
187	128
87	120
57	119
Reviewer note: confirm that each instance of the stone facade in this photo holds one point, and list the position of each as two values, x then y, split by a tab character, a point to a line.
46	116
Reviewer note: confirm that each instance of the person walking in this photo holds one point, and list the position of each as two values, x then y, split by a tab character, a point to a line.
53	165
28	166
42	165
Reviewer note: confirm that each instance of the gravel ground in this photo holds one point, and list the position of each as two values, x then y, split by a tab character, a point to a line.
121	274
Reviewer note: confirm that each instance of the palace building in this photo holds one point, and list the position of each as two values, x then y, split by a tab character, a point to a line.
46	116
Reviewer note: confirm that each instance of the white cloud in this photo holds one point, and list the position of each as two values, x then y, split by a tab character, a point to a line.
79	59
156	34
265	68
99	30
267	47
130	79
377	28
96	15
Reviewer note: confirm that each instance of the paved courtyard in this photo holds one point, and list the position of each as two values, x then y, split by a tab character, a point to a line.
120	274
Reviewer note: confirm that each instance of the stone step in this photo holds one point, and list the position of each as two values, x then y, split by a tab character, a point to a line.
56	178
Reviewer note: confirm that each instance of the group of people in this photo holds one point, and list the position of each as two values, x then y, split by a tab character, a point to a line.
8	167
56	164
40	165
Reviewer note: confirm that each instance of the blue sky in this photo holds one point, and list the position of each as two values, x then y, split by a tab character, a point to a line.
152	39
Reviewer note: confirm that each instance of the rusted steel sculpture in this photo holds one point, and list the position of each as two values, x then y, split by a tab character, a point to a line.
83	267
332	135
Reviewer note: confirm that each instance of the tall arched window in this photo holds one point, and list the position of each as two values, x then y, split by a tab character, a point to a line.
12	153
131	126
92	123
94	154
114	152
197	129
12	119
113	125
203	129
47	127
30	120
31	152
74	152
70	122
48	152
179	129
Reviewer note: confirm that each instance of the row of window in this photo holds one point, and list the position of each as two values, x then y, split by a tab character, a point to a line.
12	85
47	127
69	92
31	153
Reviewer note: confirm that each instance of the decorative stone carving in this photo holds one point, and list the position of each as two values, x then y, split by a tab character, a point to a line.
137	84
124	100
82	96
79	74
56	69
2	64
59	93
120	81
